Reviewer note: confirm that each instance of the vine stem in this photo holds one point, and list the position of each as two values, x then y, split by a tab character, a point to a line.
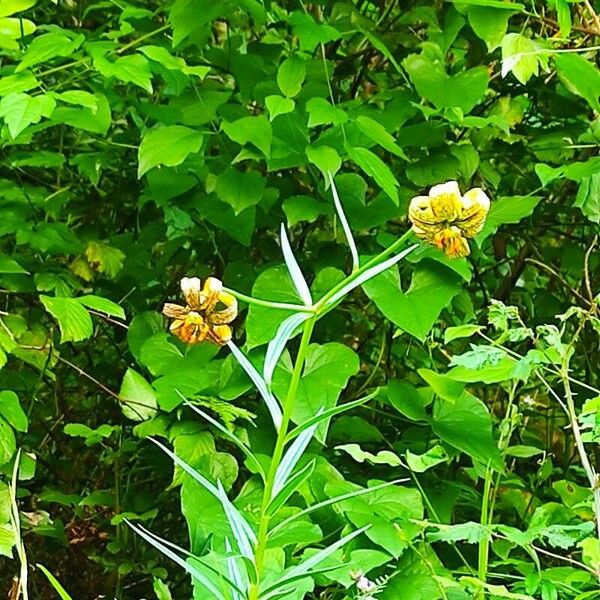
288	407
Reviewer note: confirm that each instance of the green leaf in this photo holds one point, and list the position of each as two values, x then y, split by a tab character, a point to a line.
162	56
489	23
508	210
588	197
251	130
73	319
167	145
580	76
463	90
138	400
325	158
379	134
55	583
419	463
8	443
93	115
373	166
104	258
18	82
21	110
327	369
415	311
10	7
460	331
11	410
91	436
290	75
278	105
47	46
462	420
9	265
478	357
321	112
502	4
240	189
262	323
383	457
103	305
518	57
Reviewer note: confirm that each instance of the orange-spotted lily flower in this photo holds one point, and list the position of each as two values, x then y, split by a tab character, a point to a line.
207	313
446	218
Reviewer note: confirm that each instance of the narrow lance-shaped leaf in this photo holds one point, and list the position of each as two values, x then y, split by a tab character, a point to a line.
294	269
243	533
345	225
291	458
331	412
369	274
313	561
182	551
229	434
331	501
260	384
190	569
234	572
291	486
277	344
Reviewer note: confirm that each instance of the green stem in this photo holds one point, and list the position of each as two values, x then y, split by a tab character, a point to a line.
321	305
269	303
484	544
288	407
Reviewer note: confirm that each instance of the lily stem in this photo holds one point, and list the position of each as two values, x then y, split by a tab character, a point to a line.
288	407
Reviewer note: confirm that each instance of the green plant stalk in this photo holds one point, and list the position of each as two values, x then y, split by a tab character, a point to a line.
484	544
320	308
288	407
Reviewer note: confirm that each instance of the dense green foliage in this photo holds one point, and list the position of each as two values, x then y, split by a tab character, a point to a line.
143	142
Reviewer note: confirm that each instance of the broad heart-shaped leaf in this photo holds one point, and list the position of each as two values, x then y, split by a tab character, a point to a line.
489	23
510	209
325	158
251	130
240	190
461	420
373	166
137	396
580	76
262	323
278	105
327	369
290	75
462	91
74	320
168	145
20	110
415	311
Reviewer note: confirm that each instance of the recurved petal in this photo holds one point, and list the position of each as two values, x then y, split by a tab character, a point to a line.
476	206
191	288
210	294
175	311
228	314
220	334
419	211
446	201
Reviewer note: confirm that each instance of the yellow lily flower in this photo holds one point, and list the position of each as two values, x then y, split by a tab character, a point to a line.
446	218
200	320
